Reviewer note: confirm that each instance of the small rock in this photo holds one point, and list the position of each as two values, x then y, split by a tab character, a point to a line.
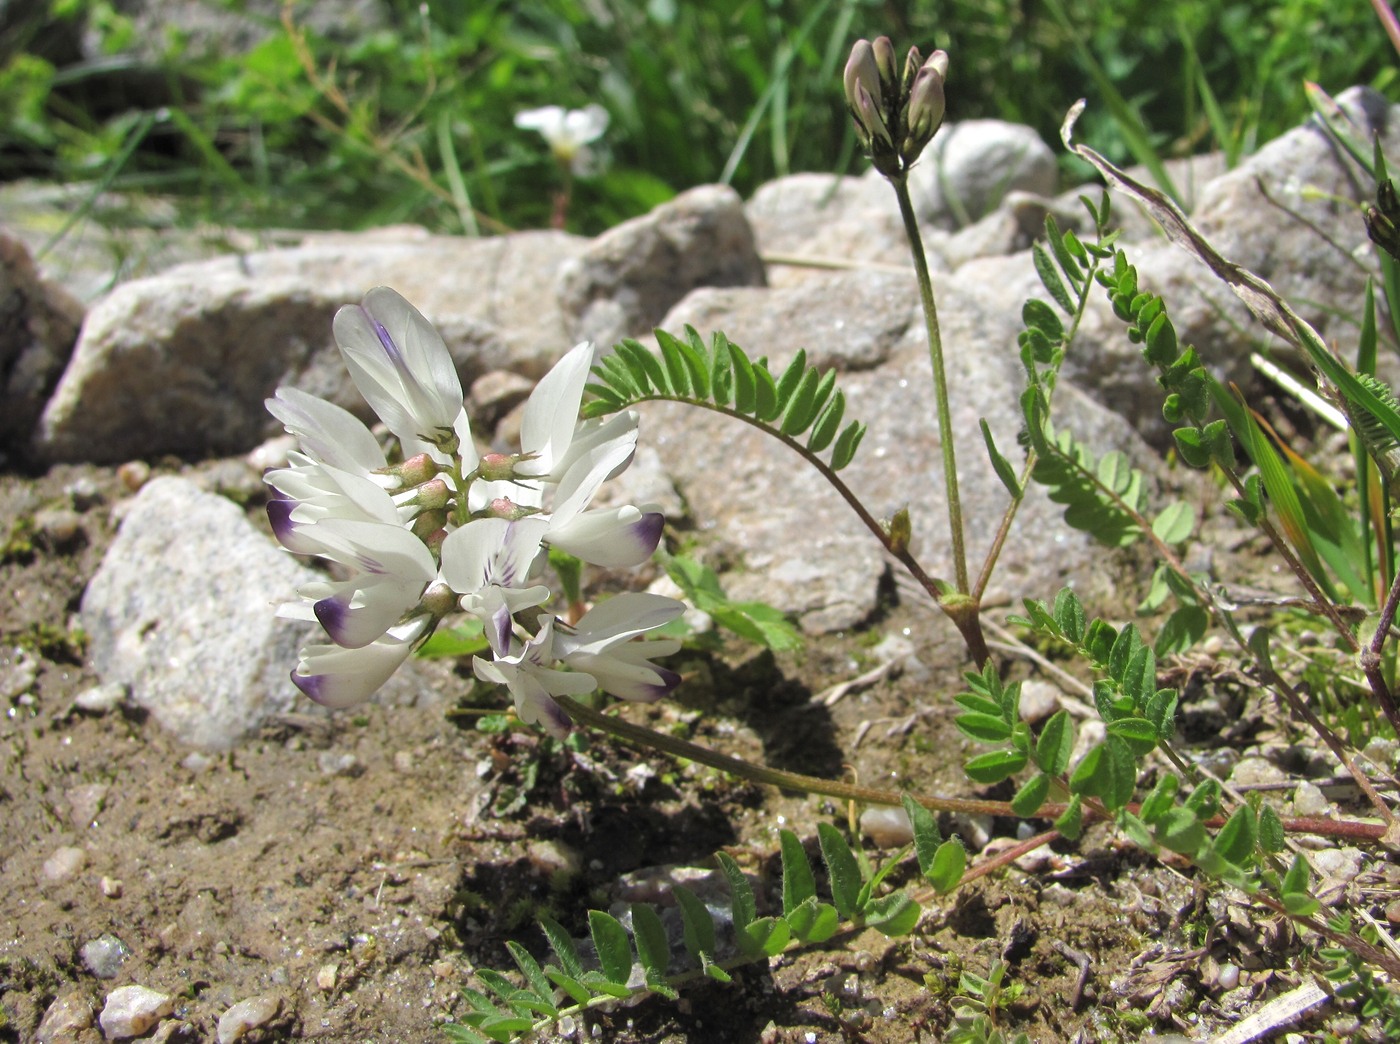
887	827
112	887
18	671
247	1015
326	977
1253	771
134	474
1039	700
105	955
64	864
84	493
60	527
101	699
333	764
131	1011
1309	800
84	803
272	453
553	859
404	761
1341	864
66	1017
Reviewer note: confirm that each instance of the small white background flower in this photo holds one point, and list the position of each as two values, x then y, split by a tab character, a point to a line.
569	133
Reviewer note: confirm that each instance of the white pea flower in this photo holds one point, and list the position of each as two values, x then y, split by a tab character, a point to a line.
569	132
401	366
448	529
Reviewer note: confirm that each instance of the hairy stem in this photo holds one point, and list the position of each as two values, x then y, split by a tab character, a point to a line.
940	381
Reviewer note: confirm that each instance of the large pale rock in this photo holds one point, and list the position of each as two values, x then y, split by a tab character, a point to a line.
624	282
794	542
181	610
181	363
969	167
38	324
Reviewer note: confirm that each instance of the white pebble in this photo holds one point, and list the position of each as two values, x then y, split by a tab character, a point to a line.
1341	864
112	887
84	803
131	1011
326	976
247	1015
887	827
1309	800
66	1017
101	699
1229	976
64	864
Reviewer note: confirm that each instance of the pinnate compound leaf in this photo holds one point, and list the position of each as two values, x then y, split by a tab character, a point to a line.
460	1034
645	367
613	946
799	885
842	869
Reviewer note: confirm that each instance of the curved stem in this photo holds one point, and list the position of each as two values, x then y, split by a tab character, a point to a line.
940	381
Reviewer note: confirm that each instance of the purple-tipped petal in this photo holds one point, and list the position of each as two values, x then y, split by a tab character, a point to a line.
617	538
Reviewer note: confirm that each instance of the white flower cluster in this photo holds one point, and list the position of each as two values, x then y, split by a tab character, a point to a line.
448	528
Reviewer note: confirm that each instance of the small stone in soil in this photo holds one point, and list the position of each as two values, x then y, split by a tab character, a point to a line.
131	1011
1308	800
101	699
247	1015
66	1017
105	955
887	827
64	864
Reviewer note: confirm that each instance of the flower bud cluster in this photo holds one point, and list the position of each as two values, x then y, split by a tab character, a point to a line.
446	529
895	116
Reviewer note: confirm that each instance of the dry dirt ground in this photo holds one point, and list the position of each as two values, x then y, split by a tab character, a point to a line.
354	870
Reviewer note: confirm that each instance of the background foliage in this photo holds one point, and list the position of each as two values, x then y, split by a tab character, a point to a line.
732	90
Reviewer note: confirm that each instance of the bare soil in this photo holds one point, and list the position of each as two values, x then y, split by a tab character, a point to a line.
357	870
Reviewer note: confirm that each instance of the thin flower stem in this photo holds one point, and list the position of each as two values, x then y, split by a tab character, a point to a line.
940	381
640	735
1371	660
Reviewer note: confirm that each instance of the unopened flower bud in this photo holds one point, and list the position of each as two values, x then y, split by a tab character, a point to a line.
861	69
913	62
877	133
430	496
428	524
1381	219
438	599
416	470
504	507
885	63
496	467
926	106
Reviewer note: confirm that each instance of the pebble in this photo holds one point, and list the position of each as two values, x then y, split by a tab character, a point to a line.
59	526
134	474
272	454
131	1011
83	492
18	671
554	859
84	803
112	887
1253	771
1309	800
64	864
404	761
101	699
1341	864
247	1015
333	764
326	976
66	1017
105	955
887	827
1039	700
